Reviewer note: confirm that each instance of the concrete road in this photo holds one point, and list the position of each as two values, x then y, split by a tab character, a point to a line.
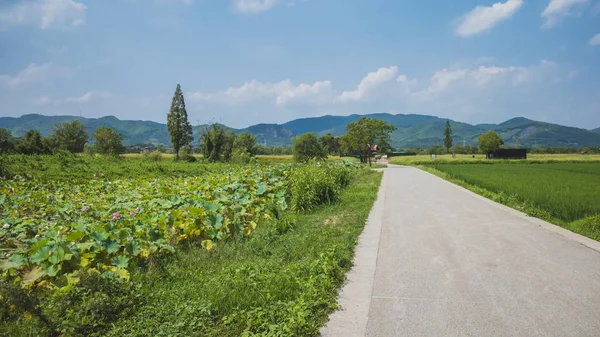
447	262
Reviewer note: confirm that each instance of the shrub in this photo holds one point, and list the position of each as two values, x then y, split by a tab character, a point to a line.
152	156
240	156
312	185
185	154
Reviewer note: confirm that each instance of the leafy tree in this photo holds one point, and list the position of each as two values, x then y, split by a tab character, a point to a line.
306	147
7	143
69	136
216	145
435	150
178	125
246	142
447	136
32	143
489	142
363	132
108	141
330	143
227	151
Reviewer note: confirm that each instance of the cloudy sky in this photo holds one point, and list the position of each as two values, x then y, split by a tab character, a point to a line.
242	62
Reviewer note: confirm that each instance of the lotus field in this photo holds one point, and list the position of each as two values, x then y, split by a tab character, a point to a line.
51	231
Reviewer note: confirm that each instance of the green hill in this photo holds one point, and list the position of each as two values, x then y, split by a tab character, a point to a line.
413	130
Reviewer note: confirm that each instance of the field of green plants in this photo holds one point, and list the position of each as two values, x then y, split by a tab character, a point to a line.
564	193
87	243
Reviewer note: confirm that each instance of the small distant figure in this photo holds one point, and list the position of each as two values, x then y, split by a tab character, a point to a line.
473	156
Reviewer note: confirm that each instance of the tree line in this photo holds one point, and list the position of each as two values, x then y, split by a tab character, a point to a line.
68	136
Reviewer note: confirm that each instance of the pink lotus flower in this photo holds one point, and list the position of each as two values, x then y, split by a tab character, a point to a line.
115	215
137	210
84	208
132	213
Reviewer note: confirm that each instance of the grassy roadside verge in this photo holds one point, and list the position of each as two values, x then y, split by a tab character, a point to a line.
281	281
589	226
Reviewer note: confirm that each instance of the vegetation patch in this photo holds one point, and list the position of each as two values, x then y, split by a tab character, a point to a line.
281	280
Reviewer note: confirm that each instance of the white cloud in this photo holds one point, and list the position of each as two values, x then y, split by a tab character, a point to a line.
482	76
280	93
45	13
88	96
557	9
253	6
43	100
303	91
464	90
368	82
483	18
595	40
35	74
442	80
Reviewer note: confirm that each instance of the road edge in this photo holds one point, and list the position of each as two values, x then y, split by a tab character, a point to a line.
355	296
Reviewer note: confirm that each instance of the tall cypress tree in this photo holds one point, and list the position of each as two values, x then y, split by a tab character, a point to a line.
178	125
448	136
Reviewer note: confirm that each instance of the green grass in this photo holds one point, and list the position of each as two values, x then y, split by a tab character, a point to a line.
281	281
480	159
563	193
286	283
80	168
288	159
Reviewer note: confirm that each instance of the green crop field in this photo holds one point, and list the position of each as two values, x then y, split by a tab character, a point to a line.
99	246
567	194
479	158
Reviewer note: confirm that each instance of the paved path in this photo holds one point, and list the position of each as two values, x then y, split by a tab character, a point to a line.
438	260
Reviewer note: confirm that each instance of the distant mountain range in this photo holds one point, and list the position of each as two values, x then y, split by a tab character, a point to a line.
413	130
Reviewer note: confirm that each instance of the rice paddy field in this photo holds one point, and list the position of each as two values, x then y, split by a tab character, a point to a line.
567	193
480	158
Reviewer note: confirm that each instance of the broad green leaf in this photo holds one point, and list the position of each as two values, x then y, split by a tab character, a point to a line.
41	255
51	270
211	207
133	248
261	188
75	236
99	236
111	246
216	220
122	273
120	261
18	260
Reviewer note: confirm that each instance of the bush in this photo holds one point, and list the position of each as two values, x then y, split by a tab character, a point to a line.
152	155
240	156
88	308
313	185
185	154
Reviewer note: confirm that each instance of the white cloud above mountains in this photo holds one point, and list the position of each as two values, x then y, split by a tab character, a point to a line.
280	93
369	82
383	84
35	73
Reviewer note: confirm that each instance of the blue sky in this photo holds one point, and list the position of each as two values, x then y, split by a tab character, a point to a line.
242	62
